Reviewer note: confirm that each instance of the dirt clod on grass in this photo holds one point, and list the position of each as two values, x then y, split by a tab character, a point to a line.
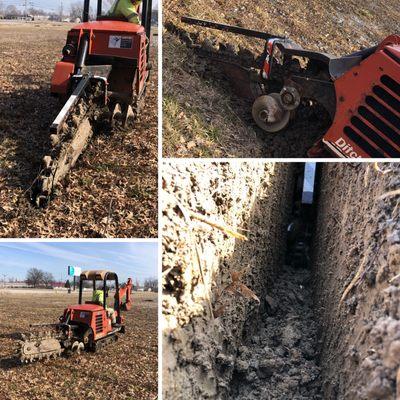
111	191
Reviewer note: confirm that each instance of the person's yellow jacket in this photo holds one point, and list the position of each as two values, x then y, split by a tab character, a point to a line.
98	297
127	9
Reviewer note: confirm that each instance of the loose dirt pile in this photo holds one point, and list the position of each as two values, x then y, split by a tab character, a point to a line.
200	261
111	192
279	360
202	115
126	369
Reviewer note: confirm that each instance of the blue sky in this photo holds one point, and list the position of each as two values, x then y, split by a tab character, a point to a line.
54	5
127	259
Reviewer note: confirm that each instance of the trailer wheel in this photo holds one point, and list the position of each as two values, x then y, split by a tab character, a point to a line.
269	114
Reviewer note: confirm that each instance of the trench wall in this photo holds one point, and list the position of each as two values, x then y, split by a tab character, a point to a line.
199	349
358	229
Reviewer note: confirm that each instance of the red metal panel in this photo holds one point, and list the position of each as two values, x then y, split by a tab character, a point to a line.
60	79
102	44
86	307
83	316
368	107
110	26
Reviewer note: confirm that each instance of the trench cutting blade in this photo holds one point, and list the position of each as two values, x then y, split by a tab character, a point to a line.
70	133
65	112
38	347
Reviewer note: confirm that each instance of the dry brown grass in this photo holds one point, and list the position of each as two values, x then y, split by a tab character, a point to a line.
330	25
120	169
198	119
126	369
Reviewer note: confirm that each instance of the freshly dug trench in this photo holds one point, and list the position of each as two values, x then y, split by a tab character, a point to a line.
302	341
199	350
279	359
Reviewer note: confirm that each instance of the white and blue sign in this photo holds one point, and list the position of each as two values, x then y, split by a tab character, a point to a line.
74	271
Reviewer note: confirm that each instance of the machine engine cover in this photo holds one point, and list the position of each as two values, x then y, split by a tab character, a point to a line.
367	120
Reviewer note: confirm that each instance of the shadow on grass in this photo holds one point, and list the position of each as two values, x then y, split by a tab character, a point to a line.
10	363
25	117
14	335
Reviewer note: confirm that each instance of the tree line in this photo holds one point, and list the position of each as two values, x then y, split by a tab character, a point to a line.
75	10
37	278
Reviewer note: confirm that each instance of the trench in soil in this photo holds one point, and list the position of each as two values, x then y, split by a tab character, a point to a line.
327	276
278	357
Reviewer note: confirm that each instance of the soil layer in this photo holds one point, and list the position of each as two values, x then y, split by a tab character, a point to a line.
357	245
202	322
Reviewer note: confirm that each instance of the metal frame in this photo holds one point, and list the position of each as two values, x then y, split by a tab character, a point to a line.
147	9
69	105
85	15
106	278
86	9
230	28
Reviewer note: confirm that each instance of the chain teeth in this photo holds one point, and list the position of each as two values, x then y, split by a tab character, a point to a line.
35	340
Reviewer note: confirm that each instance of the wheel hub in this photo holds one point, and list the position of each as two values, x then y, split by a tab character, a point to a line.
269	114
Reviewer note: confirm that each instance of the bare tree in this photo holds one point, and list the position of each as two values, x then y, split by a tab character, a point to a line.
47	279
34	277
36	11
12	10
76	10
108	4
151	283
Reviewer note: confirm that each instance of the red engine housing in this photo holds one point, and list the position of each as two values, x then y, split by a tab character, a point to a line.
117	43
91	315
367	119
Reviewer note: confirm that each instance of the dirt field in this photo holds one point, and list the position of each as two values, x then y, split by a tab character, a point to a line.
126	369
111	192
202	115
327	321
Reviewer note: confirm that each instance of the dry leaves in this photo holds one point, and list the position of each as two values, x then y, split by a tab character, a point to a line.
234	288
123	370
121	166
237	287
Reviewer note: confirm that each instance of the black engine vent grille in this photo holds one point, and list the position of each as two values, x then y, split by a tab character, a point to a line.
99	323
377	121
